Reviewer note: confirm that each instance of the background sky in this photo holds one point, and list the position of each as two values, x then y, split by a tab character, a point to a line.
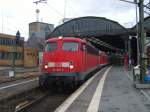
17	14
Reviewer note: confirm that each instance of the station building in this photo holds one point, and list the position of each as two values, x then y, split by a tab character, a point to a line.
22	54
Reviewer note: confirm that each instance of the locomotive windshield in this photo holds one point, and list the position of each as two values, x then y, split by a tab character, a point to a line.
51	46
70	46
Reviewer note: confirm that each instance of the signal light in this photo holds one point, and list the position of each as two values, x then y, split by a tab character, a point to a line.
46	66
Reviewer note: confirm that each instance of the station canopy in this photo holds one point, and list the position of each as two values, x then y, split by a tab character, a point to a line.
146	26
95	29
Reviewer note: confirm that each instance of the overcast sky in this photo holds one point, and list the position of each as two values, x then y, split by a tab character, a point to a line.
17	14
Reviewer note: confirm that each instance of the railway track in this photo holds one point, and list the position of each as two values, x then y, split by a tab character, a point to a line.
28	103
35	101
52	100
49	104
15	102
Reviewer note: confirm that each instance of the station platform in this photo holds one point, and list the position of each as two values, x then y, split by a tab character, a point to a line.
110	90
20	73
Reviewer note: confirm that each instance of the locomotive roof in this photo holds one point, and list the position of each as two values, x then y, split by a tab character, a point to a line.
66	38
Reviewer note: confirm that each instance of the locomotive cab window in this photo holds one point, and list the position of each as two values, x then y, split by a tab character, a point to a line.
70	46
51	46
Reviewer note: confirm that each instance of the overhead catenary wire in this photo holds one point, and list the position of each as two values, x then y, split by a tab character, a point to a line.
59	13
66	7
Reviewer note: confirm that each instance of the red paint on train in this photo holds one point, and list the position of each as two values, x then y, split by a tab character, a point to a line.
69	58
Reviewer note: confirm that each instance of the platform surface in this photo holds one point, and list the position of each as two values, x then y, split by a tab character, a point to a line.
109	91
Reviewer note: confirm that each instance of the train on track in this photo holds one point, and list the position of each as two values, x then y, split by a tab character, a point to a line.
69	60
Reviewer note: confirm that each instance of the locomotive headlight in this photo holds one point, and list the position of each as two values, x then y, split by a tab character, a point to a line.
71	66
60	37
45	66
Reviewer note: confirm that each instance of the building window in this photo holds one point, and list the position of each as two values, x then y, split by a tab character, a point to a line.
0	55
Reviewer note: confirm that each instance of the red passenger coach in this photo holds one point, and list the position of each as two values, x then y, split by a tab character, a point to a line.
69	60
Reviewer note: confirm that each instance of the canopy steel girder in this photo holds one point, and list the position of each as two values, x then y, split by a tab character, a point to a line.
102	43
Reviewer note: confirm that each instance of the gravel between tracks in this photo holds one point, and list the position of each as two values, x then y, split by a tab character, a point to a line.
9	105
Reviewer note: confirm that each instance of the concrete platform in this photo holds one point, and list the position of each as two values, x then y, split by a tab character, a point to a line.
13	88
110	90
142	86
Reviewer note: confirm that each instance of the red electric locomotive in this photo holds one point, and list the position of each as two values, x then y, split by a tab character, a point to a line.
69	60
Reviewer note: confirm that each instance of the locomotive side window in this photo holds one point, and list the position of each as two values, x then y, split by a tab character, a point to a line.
92	50
83	47
51	46
70	46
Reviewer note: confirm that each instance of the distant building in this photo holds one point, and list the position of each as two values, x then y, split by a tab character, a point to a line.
37	33
40	29
30	57
7	47
26	57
